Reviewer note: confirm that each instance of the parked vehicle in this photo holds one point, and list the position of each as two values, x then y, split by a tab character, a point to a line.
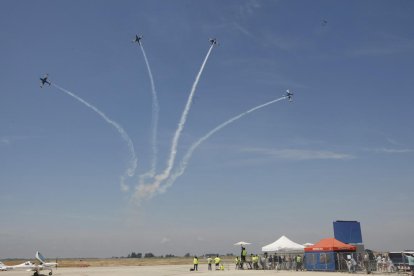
400	260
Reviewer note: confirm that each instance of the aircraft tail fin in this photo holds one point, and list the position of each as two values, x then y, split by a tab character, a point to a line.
40	258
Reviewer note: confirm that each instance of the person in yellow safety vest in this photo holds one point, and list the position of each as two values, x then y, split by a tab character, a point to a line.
243	256
217	261
195	262
237	262
298	263
209	262
255	261
222	267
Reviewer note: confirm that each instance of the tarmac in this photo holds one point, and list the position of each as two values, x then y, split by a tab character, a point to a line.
163	270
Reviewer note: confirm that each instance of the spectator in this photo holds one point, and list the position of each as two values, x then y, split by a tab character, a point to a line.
195	262
209	262
217	261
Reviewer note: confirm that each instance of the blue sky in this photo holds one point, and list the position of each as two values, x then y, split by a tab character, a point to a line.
343	149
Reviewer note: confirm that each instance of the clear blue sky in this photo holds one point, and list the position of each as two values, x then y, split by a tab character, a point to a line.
343	149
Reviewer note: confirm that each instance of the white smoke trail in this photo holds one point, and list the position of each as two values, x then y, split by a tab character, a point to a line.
183	165
133	159
183	119
154	120
147	191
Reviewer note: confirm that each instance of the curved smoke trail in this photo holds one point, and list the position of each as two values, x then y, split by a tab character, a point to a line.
183	119
183	165
134	161
147	191
154	120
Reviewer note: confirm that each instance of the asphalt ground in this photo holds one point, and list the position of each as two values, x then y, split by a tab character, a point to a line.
163	270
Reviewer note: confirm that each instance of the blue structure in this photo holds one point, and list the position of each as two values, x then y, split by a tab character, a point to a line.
347	231
320	261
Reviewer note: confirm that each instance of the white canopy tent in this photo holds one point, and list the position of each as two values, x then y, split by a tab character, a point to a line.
284	245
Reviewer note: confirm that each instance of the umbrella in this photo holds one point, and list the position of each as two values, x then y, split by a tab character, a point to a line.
242	243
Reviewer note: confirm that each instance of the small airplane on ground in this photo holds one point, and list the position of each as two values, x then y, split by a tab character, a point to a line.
213	41
29	266
44	80
44	265
289	95
137	39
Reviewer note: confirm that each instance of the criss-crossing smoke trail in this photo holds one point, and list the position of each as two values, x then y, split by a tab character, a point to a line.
154	119
183	165
133	159
148	190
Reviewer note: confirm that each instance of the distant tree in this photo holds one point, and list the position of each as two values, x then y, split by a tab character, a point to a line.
169	256
149	255
135	255
187	255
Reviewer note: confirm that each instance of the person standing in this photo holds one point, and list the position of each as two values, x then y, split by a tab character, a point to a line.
411	263
217	261
237	262
243	255
298	262
195	262
367	263
209	262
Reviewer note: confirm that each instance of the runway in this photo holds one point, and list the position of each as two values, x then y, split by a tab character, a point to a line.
163	270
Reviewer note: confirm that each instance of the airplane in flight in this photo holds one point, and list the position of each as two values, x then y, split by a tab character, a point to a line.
289	95
137	39
213	41
29	266
44	81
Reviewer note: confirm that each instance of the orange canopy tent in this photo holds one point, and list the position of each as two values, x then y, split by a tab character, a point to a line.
330	244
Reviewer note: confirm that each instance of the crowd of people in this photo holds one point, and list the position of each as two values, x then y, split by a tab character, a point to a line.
254	261
350	261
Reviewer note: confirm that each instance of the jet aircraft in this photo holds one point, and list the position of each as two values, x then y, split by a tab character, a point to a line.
289	95
137	39
213	41
44	80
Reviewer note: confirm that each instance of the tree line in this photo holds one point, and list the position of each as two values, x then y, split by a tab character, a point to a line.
147	255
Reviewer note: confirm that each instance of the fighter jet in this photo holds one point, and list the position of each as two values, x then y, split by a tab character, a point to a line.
213	41
44	81
137	39
289	95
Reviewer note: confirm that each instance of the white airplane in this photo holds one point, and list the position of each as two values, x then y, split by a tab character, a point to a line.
28	266
44	265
